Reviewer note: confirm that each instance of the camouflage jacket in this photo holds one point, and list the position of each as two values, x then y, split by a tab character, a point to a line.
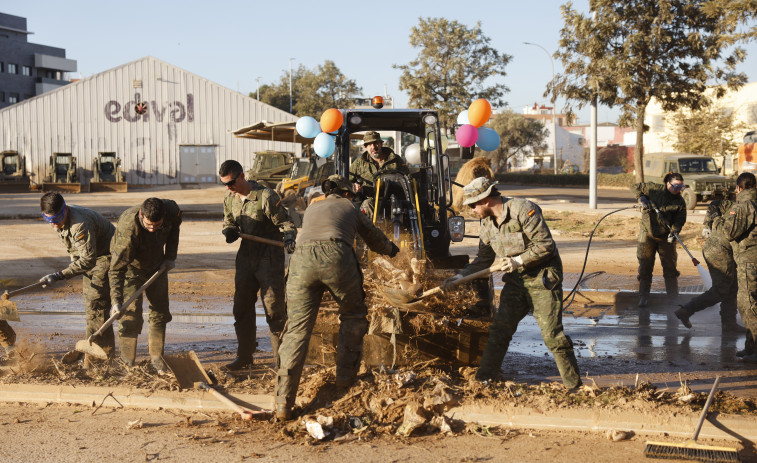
717	242
260	213
740	225
134	246
364	169
672	206
86	235
523	232
336	218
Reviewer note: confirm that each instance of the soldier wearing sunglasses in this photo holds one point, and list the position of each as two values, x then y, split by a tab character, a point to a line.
654	235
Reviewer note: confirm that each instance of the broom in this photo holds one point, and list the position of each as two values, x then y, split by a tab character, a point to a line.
690	450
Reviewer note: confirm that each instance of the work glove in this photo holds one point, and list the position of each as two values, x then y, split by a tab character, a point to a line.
509	264
50	279
231	234
168	264
450	282
706	232
645	203
394	250
116	309
289	245
671	237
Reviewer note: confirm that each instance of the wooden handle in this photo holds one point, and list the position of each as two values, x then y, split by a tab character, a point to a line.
465	279
25	289
706	407
261	240
128	302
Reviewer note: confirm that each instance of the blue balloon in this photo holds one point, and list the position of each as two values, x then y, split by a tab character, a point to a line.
462	118
308	127
488	139
324	145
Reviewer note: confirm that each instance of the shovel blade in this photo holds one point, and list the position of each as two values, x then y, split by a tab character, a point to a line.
8	311
187	369
91	349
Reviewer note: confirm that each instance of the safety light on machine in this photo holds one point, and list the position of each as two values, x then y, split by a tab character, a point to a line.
456	225
429	119
377	102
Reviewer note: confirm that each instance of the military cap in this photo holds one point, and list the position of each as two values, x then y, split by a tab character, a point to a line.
477	190
371	137
341	182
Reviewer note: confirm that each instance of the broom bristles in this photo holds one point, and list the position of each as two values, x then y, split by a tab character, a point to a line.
690	450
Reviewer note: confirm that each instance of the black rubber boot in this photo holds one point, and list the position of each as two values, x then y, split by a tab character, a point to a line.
156	342
671	287
729	325
748	346
128	347
246	345
239	363
645	286
683	315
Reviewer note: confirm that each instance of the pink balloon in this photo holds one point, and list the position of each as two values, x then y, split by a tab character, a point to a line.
466	135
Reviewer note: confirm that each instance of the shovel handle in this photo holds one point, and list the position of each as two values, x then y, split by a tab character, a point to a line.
481	273
126	304
25	289
244	413
261	240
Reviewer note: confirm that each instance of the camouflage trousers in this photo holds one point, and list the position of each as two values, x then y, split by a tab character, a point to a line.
96	291
7	335
645	253
130	324
747	297
724	288
521	294
264	274
315	268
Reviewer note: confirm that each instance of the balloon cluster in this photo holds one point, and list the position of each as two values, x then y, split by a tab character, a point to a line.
472	132
323	132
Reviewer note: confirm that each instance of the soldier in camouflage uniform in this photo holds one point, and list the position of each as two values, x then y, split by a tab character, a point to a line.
255	210
514	229
324	260
375	159
8	340
740	225
86	235
146	240
718	255
654	235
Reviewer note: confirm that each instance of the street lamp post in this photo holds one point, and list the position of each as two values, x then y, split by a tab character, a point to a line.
290	84
554	119
257	92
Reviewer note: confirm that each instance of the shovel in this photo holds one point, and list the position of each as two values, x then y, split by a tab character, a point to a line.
88	346
8	309
406	300
261	240
190	374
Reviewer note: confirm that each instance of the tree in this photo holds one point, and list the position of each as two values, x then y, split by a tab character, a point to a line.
454	67
637	50
313	91
709	130
518	135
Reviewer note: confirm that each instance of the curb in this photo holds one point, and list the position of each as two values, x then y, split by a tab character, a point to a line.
727	427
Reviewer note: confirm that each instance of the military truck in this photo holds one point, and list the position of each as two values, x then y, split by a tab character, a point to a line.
700	175
270	167
63	175
107	175
13	178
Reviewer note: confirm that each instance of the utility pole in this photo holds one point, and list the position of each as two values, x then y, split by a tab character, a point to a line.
593	147
257	92
290	84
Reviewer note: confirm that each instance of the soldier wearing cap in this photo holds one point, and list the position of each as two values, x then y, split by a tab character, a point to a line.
324	260
86	235
375	159
255	210
514	230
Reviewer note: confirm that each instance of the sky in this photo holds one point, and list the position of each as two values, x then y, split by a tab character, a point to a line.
235	43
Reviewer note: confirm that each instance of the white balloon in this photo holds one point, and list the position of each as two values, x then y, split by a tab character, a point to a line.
413	153
462	118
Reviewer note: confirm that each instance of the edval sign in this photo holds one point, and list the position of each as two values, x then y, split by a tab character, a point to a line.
171	111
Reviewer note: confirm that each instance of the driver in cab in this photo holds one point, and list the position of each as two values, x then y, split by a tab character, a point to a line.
375	159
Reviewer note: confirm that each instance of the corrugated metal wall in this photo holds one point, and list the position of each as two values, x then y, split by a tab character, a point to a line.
97	114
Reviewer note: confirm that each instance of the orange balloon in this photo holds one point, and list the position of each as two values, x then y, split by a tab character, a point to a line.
331	120
479	112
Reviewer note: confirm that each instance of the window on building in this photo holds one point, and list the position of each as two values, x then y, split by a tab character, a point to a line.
12	68
2	66
751	114
2	97
13	98
26	70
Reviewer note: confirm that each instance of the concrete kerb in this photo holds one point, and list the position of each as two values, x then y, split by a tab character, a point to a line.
735	428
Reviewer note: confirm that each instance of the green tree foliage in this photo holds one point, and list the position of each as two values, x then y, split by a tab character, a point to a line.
518	136
637	50
709	130
313	91
454	67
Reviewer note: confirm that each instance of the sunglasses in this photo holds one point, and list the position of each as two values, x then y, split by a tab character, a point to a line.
677	187
57	218
230	182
